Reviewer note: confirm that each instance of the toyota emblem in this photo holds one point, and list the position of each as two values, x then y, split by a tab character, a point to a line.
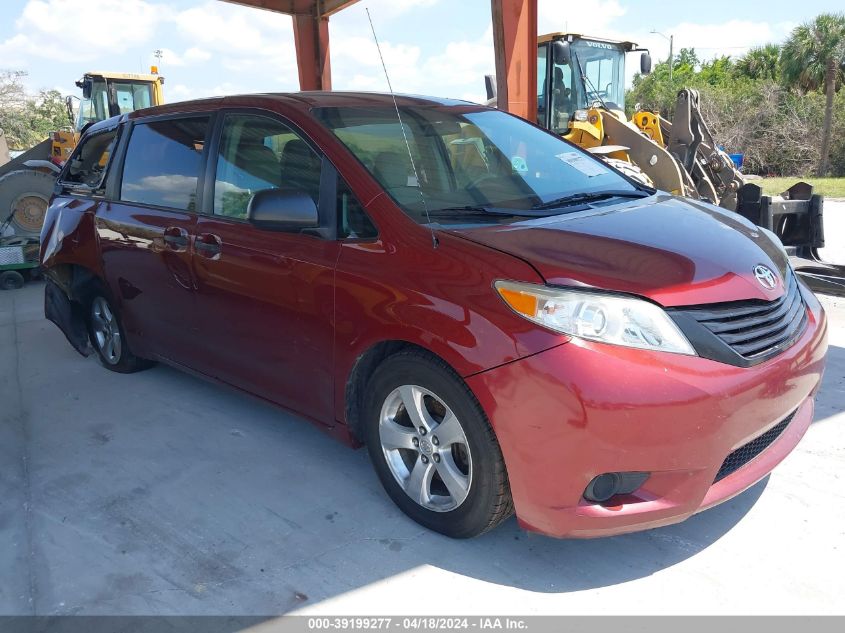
765	276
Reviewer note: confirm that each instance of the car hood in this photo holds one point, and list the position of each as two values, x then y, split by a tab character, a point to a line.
669	249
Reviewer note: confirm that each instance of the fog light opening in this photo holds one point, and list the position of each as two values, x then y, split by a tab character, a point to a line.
608	485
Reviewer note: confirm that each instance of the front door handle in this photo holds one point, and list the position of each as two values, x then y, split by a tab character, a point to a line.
208	245
176	238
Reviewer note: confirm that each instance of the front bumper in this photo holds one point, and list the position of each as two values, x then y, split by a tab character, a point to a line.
570	413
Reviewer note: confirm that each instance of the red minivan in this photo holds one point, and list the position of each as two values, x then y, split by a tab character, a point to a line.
505	321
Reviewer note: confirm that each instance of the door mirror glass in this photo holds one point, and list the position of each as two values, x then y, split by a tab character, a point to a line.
283	209
645	63
562	52
87	87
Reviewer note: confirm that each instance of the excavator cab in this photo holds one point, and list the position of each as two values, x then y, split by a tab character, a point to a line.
576	73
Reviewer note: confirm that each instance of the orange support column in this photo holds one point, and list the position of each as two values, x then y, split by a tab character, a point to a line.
311	36
515	41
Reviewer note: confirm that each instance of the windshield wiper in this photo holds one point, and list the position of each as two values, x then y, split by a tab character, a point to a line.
481	210
578	198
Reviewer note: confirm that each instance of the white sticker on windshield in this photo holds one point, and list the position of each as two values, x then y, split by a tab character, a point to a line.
583	164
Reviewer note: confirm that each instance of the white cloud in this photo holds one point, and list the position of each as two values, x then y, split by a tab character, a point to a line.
246	39
733	37
63	30
588	18
190	57
457	70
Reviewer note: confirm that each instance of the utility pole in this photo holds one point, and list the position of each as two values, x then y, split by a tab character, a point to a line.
671	56
671	39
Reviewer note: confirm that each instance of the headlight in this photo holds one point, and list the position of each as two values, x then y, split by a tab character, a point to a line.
580	115
599	317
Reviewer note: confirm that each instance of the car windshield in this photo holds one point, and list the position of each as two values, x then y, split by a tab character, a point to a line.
472	164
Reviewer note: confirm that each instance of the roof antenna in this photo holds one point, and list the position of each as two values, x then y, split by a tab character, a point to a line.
434	241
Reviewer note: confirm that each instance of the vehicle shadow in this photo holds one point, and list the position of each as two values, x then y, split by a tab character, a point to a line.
559	566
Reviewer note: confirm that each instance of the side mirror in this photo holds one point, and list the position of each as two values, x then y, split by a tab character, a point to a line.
562	54
645	63
282	210
87	88
490	86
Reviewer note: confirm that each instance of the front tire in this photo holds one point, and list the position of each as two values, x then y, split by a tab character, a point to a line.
432	447
11	280
108	338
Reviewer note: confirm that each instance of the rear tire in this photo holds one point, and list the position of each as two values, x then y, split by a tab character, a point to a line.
631	170
437	458
108	338
26	194
11	280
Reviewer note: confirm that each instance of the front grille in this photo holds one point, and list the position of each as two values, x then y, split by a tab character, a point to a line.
745	453
756	329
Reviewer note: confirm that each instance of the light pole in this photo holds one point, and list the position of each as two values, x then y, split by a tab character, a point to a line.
671	39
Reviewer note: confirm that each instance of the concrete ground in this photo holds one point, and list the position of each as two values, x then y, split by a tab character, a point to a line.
159	493
834	231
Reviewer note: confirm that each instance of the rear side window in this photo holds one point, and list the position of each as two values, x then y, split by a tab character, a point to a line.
163	162
258	153
87	166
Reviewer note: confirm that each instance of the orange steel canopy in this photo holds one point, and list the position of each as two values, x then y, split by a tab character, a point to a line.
514	39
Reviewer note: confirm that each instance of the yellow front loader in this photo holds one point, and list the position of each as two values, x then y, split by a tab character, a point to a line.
26	182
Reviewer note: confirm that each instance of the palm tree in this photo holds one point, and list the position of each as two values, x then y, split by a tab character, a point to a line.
760	62
814	57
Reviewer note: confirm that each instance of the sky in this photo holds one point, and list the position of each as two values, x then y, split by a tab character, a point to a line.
436	47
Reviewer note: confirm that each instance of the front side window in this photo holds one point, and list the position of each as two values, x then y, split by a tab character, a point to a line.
87	165
564	95
353	221
258	153
466	157
163	161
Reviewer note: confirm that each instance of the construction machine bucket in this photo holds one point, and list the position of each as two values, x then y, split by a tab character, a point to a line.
797	218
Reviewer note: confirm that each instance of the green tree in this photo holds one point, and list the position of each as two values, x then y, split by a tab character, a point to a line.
686	60
27	120
12	106
760	62
814	57
47	113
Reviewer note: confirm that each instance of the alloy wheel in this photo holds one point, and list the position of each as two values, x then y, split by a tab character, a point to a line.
425	448
106	330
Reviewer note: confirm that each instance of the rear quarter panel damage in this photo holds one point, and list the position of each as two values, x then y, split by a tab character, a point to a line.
70	261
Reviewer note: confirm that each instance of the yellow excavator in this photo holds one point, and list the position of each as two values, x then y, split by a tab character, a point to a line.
27	181
581	96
